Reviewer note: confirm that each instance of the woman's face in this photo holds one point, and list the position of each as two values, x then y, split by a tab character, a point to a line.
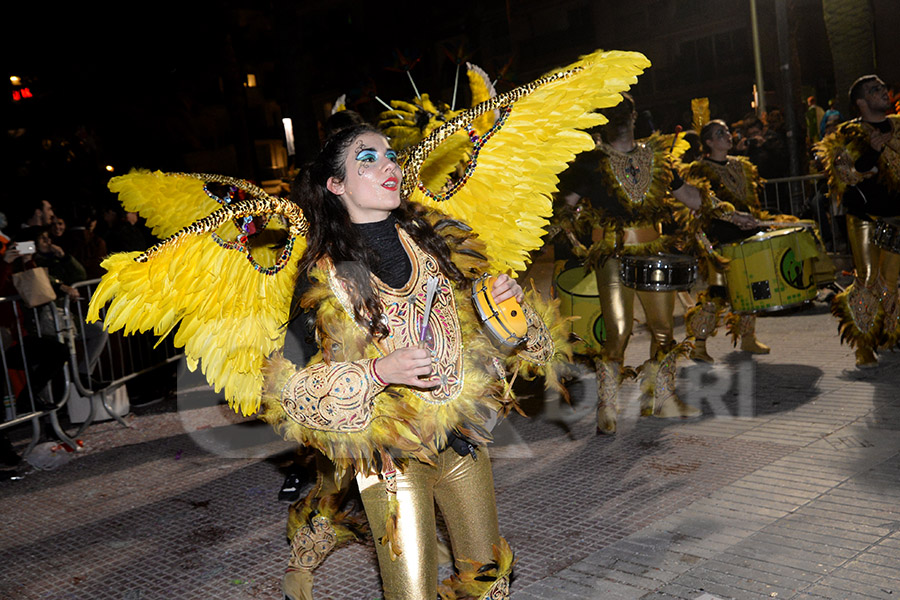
720	140
370	189
43	242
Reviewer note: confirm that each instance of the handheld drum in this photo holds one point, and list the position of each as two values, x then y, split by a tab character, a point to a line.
887	234
658	272
505	322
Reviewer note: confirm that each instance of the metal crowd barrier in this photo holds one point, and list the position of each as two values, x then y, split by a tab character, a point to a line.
97	363
806	197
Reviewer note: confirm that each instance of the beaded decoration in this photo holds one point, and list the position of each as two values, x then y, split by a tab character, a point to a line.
478	143
243	213
413	158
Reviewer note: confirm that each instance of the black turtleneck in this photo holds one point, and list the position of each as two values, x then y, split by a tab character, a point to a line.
393	266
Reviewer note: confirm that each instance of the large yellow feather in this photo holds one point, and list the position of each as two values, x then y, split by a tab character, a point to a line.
167	202
227	315
506	197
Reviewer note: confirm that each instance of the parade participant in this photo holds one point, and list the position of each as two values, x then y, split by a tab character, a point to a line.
407	377
862	161
622	188
734	181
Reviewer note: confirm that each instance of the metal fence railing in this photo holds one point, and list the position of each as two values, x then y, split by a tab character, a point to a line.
50	355
806	197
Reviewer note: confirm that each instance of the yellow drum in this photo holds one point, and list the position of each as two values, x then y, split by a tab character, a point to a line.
823	266
579	298
505	321
771	270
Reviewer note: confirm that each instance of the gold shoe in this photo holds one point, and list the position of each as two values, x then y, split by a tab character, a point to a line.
606	418
672	407
297	585
866	359
609	378
749	343
699	353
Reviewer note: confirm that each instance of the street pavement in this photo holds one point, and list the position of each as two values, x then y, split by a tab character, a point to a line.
788	486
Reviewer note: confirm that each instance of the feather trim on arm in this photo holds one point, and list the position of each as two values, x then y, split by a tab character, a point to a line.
548	347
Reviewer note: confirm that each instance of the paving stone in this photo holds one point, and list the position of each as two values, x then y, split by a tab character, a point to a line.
799	499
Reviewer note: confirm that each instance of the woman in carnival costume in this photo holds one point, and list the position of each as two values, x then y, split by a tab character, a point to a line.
862	161
627	188
407	379
734	214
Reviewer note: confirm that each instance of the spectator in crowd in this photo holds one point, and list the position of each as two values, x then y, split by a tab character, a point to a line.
814	114
38	212
85	245
63	268
832	118
44	355
127	234
765	146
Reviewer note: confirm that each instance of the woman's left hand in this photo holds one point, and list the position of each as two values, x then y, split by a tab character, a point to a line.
505	287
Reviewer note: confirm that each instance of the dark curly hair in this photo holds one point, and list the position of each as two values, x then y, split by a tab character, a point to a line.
332	234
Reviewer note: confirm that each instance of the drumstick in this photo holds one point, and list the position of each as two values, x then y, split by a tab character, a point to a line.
430	290
786	224
675	139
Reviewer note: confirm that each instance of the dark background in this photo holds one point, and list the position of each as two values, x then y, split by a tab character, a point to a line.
162	85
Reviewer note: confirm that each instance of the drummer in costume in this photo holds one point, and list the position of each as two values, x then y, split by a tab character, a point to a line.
407	377
732	215
622	192
862	160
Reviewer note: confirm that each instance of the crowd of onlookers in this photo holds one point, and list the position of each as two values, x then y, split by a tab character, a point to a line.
71	251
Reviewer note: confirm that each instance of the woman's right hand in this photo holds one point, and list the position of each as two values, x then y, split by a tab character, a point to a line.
404	366
743	220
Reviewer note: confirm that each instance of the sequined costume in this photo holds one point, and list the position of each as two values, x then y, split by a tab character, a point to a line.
734	182
398	439
624	201
867	183
224	292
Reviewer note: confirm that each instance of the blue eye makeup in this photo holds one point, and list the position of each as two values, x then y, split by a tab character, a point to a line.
367	155
391	155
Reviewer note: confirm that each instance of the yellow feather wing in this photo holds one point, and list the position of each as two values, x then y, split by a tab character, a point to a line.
228	315
505	193
167	202
482	90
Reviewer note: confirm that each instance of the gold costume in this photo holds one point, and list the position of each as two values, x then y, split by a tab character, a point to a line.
624	198
736	184
395	439
868	311
463	489
226	300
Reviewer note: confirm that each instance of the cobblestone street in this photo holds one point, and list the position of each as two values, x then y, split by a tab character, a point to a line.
797	498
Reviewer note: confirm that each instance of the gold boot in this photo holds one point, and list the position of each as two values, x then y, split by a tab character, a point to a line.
297	585
658	386
609	378
701	322
865	358
699	353
747	331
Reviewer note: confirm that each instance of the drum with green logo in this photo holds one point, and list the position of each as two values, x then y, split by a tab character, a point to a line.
771	270
579	298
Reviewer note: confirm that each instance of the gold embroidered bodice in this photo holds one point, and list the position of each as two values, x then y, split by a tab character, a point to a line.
735	182
404	308
633	170
731	175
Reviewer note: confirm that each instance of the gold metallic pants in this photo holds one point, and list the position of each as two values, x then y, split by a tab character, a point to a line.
617	302
464	491
870	260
